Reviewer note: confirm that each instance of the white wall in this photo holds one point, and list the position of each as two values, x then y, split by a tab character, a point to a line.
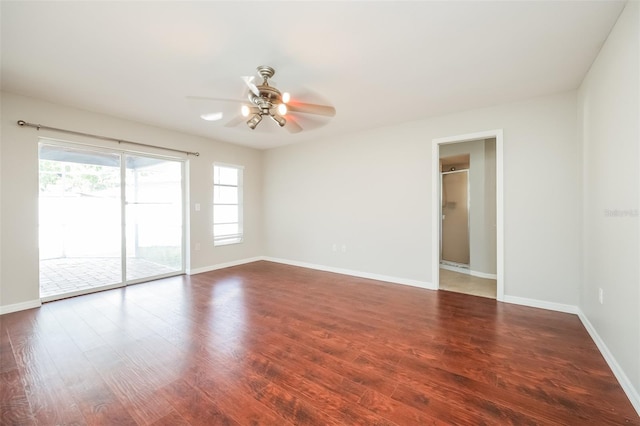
609	117
371	191
19	187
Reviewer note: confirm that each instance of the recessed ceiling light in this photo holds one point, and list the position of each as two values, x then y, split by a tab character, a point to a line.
213	116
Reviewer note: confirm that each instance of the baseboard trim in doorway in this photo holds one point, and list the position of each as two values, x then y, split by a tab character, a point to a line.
350	272
454	268
483	275
468	271
31	304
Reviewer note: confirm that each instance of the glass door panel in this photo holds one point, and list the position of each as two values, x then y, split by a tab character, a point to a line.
154	222
80	220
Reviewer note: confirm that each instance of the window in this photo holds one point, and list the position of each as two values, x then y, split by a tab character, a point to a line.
227	204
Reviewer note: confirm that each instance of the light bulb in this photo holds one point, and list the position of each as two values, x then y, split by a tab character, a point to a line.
282	109
244	110
286	97
280	120
253	121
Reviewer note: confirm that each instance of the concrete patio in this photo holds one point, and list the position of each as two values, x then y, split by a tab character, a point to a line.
67	275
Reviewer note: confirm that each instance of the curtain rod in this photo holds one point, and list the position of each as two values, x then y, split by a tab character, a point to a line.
23	123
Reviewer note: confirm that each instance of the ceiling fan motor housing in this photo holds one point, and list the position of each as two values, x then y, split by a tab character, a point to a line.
268	98
266	72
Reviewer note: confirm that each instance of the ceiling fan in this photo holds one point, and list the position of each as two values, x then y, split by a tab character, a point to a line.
264	100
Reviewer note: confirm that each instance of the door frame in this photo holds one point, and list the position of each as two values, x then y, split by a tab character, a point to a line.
436	205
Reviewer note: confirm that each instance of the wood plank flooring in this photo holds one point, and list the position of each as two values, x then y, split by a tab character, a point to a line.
269	344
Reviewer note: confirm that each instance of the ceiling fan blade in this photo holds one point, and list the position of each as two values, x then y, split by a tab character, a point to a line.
249	82
206	98
235	121
305	108
292	125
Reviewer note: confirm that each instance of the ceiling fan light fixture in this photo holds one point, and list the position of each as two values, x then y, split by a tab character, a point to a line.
280	120
253	121
266	100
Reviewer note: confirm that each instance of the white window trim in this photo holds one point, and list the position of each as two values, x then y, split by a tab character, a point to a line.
233	238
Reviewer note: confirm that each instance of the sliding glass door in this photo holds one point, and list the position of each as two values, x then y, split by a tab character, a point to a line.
153	217
107	219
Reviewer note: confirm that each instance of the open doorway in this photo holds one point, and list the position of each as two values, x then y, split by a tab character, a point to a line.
454	225
467	214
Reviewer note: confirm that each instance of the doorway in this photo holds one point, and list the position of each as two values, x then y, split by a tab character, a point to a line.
107	219
480	273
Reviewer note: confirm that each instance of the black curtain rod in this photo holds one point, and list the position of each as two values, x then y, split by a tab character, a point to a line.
23	123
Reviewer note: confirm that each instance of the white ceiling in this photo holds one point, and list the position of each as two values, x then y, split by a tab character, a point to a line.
377	63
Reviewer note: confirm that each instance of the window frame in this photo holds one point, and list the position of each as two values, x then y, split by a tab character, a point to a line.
229	239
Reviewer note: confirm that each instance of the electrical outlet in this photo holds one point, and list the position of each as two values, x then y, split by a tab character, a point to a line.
334	247
197	207
197	246
601	296
344	248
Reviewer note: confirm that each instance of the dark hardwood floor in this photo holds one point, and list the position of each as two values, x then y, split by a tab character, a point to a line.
271	344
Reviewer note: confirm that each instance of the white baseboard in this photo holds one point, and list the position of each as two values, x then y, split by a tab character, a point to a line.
359	274
454	268
625	383
223	265
542	304
7	309
483	275
395	280
468	271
